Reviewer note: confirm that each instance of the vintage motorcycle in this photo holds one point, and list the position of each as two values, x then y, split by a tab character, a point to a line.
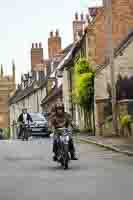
63	156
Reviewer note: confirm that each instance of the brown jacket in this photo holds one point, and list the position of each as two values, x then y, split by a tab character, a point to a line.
61	121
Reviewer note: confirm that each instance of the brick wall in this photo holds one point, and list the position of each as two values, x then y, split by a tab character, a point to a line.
122	24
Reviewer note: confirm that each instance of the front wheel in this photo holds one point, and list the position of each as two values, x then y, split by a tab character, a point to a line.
66	157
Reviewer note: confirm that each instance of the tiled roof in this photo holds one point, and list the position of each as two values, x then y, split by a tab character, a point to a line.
54	92
20	94
69	57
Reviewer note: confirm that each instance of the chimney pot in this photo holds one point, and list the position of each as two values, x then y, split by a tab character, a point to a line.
40	45
51	34
57	33
32	45
82	17
76	16
36	45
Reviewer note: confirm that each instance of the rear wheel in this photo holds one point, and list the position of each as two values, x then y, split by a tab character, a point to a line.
66	164
25	134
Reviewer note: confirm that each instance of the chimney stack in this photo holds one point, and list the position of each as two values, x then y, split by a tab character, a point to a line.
40	45
36	45
36	56
54	44
78	25
82	17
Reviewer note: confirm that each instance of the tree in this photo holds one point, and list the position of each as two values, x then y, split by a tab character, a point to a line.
84	89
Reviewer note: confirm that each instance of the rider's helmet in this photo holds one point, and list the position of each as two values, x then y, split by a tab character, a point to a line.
24	110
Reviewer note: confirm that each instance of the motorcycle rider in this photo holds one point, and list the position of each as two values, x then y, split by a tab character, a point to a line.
24	118
61	119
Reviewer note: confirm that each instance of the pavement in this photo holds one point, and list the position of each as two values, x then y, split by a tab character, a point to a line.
118	144
27	172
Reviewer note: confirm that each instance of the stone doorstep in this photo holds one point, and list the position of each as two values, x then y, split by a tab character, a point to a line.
108	146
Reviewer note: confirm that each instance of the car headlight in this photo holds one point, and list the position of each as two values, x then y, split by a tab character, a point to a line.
46	124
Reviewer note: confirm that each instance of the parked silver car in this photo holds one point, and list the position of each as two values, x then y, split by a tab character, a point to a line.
39	126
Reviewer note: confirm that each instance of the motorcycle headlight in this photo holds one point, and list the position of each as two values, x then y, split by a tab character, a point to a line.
67	138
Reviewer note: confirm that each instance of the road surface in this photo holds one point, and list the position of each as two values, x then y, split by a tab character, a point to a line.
28	173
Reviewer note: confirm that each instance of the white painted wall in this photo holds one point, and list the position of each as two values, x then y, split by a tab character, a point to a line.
123	65
30	102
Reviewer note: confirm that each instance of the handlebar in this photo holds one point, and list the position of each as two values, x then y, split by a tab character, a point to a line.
62	129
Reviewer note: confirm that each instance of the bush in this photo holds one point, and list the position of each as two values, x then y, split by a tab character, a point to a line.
82	66
126	125
126	121
83	92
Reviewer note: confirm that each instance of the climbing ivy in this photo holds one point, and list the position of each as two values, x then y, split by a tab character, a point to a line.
83	93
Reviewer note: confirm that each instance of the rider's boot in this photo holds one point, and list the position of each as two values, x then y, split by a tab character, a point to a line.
55	150
73	156
54	157
72	150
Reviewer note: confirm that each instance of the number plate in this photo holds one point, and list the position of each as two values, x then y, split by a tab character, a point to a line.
35	129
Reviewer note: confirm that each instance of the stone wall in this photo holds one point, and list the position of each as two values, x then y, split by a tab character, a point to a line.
124	66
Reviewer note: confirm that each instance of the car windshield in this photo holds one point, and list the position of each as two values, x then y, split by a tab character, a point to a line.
37	117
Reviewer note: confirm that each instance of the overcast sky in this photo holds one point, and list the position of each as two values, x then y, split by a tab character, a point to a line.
26	21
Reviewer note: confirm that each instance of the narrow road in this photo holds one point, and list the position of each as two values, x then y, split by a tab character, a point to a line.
28	173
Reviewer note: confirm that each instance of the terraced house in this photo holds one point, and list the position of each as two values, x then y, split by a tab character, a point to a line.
92	44
39	89
53	78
